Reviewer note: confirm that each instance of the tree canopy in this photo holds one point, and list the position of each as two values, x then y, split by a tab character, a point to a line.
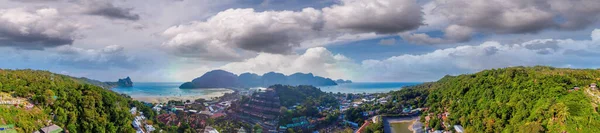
516	99
76	106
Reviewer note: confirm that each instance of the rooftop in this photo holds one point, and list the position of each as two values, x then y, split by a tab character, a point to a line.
51	129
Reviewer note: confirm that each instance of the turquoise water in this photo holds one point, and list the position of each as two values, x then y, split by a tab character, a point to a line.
367	87
164	89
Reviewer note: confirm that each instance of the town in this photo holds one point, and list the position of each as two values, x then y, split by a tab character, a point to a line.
281	109
262	111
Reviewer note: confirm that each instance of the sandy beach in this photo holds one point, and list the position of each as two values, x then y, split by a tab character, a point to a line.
164	99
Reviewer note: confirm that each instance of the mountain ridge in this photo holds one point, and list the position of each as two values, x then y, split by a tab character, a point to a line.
225	79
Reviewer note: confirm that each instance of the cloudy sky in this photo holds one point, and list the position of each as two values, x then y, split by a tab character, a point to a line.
361	40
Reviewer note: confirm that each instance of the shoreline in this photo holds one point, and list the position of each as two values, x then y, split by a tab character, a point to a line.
164	99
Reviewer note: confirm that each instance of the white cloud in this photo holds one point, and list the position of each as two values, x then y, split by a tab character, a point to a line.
36	28
271	32
429	66
469	59
596	35
318	61
280	32
106	8
453	34
505	17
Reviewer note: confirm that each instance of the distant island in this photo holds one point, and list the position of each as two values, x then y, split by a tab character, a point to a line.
225	79
125	82
341	81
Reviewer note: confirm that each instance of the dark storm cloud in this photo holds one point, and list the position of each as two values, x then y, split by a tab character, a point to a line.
104	8
35	29
110	11
32	41
385	17
270	42
552	44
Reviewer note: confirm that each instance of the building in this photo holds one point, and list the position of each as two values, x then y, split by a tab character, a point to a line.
298	123
157	108
264	105
353	124
418	127
363	127
376	119
242	130
217	115
133	110
193	111
136	123
209	129
51	129
149	128
8	129
459	129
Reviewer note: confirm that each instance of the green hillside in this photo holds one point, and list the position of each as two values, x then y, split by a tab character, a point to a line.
77	106
516	99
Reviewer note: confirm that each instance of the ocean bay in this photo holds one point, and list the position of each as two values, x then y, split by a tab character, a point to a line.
164	91
367	87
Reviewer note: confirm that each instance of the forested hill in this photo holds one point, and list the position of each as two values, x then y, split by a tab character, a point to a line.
516	99
77	106
105	85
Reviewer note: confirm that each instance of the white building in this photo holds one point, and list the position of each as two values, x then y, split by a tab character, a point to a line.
133	110
209	129
136	123
157	108
459	129
149	128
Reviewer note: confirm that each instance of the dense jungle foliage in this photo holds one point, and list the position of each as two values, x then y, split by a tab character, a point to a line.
516	99
306	99
67	102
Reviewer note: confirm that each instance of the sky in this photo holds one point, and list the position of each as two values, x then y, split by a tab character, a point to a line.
360	40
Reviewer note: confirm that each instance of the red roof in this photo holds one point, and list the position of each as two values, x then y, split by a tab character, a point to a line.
217	115
360	130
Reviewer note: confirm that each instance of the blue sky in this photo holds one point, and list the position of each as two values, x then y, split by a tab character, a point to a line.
361	40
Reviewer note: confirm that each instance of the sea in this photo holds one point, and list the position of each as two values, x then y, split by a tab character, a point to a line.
163	89
367	87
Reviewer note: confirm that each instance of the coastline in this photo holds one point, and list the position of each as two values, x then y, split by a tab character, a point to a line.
164	99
